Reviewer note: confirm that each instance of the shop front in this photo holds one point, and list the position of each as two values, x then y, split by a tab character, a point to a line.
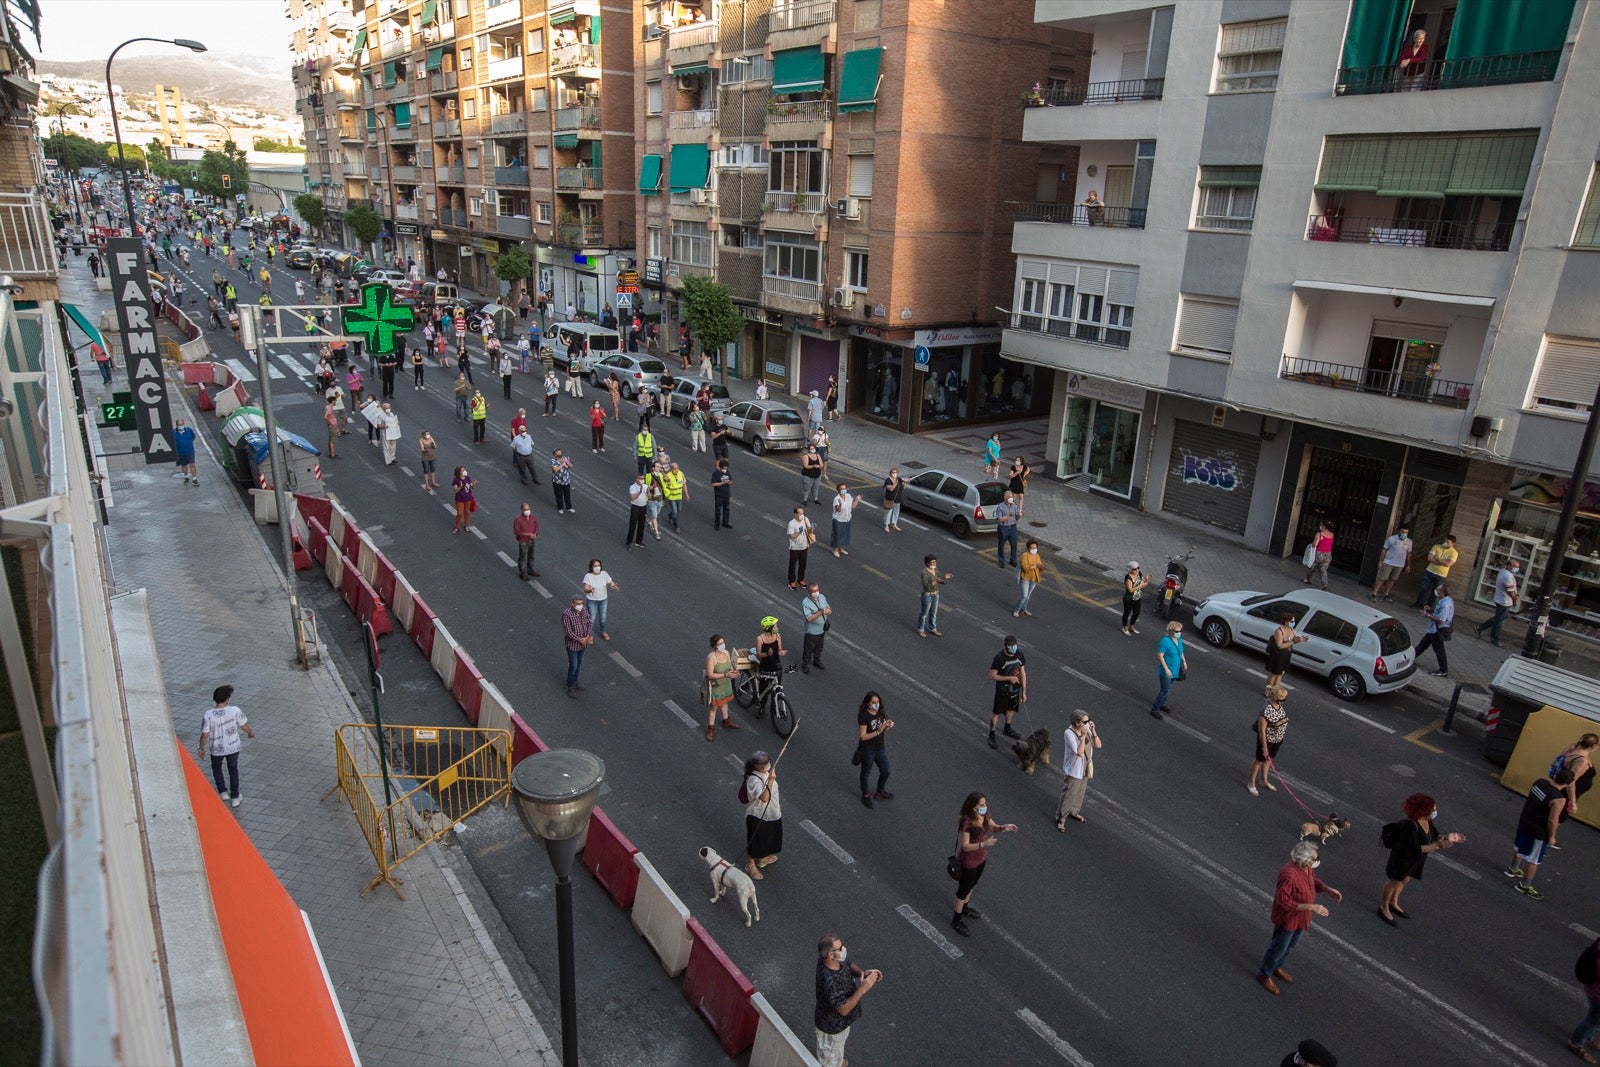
405	239
1347	481
1100	431
916	380
444	252
1522	523
1211	473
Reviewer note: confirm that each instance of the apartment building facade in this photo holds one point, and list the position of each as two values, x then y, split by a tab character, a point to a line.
845	168
472	127
1293	279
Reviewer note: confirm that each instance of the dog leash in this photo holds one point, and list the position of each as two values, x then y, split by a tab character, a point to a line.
1314	816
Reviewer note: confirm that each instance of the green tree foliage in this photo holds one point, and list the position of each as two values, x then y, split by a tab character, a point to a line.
74	152
364	223
131	152
710	312
310	209
513	267
267	144
214	164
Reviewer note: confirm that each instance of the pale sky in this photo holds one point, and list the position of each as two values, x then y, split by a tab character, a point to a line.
90	29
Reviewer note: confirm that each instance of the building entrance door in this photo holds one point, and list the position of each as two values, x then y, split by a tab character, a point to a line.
1341	489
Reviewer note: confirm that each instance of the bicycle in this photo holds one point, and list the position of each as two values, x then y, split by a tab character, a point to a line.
764	692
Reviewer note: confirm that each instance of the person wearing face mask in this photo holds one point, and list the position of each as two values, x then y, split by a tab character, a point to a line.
840	987
894	492
1506	596
1409	842
720	672
1294	902
1009	673
597	587
1005	516
526	528
578	630
1030	572
872	722
976	834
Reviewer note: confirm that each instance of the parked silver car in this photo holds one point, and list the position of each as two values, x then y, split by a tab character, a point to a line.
681	397
634	373
765	424
965	504
1358	648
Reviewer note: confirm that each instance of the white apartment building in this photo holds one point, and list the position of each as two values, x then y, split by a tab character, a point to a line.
1284	278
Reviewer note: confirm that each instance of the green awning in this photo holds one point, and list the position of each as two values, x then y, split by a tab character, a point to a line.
594	29
691	167
1417	167
858	84
565	16
691	68
1228	177
1351	164
372	120
566	140
435	58
361	41
1492	164
83	324
798	70
388	73
402	115
650	174
430	11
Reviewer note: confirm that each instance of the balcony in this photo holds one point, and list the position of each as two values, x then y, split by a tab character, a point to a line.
691	45
581	59
341	23
354	168
1089	333
498	14
405	211
512	122
696	125
442	81
448	217
1390	232
513	176
1419	387
350	132
581	119
1511	69
1082	215
27	248
785	211
787	294
800	23
447	128
405	133
406	174
513	226
797	120
1116	92
581	180
502	69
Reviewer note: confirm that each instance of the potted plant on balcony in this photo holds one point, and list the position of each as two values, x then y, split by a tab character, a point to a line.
801	200
1033	97
569	229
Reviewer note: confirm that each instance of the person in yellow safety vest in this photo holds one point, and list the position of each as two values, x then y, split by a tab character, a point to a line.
644	449
673	487
480	417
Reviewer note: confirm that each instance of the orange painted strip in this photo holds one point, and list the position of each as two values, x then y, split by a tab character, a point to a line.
288	1010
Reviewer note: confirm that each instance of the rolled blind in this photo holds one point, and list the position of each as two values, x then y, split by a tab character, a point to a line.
1351	164
1122	286
1219	177
860	175
1588	232
1207	325
1264	36
1569	374
1417	166
1492	164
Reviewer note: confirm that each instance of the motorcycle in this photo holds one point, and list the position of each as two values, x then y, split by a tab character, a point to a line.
1177	578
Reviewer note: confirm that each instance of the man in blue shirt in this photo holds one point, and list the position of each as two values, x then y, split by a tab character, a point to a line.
183	442
814	606
1441	624
1171	664
1005	517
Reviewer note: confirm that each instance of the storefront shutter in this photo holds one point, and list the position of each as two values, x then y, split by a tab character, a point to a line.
1207	326
1211	474
1569	374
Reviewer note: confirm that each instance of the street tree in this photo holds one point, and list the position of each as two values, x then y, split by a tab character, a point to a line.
513	268
267	144
364	223
214	164
131	152
713	319
74	151
309	207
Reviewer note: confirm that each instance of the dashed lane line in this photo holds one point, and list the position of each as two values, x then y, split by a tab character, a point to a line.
1080	676
633	672
479	534
833	848
925	928
539	588
1263	675
1579	928
507	560
672	706
1363	718
1458	868
1039	1027
875	571
1061	980
1190	730
960	543
1569	989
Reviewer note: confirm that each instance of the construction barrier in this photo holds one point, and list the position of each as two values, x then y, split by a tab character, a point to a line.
228	400
720	992
423	624
205	374
336	524
318	507
350	536
333	566
661	918
402	601
495	711
366	557
203	400
383	577
438	775
524	742
776	1045
466	685
609	857
444	655
319	540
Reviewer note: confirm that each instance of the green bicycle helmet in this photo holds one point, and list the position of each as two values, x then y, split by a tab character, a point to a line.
769	623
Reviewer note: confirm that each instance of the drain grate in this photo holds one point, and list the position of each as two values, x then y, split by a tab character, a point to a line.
915	465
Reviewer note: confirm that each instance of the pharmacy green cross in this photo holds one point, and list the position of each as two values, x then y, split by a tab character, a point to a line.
377	319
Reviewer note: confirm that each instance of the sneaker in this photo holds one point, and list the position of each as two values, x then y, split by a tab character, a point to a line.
237	800
1524	888
1009	732
1438	674
866	801
969	912
1512	872
884	794
1133	629
992	742
1253	790
960	926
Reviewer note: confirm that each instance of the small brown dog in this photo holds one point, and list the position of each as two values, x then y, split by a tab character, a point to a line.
1332	826
1033	750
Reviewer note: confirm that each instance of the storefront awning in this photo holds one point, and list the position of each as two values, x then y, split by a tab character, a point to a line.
84	324
435	58
858	83
566	140
798	70
691	167
650	174
1404	294
564	16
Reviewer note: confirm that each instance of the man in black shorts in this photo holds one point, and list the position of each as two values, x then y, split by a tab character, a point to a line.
1009	673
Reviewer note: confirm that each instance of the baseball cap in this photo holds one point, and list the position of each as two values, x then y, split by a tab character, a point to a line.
1314	1054
1133	564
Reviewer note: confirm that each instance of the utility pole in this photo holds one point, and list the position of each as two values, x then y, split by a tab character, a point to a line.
1533	644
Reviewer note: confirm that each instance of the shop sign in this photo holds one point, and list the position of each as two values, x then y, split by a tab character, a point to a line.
812	330
959	335
487	244
655	271
1118	393
130	289
628	281
406	229
438	235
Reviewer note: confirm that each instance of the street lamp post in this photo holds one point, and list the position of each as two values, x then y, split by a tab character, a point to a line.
556	791
116	128
72	178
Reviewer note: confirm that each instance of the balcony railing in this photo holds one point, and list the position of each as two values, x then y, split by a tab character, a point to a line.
693	35
408	132
404	172
354	168
515	122
447	128
577	118
441	81
1131	218
499	69
452	175
594	233
517	176
1417	386
1087	332
513	226
573	57
26	248
1511	69
1118	92
405	211
794	16
577	178
1411	233
692	120
448	217
497	14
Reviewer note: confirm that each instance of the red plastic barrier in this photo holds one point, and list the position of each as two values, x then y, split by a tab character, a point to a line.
315	507
524	742
384	576
352	540
319	539
609	857
467	686
720	992
198	374
302	559
370	608
203	400
422	623
350	583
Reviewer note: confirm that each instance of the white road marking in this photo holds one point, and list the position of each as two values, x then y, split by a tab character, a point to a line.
963	544
1115	610
827	842
1064	1050
1263	674
912	522
293	364
449	508
1569	989
479	534
240	370
540	589
1457	867
909	914
1309	790
633	672
1047	969
1363	718
1578	928
1080	676
1207	649
672	706
775	520
738	764
407	471
274	373
1190	730
507	560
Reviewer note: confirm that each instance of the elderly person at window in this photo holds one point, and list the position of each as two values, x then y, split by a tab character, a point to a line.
1414	62
1094	208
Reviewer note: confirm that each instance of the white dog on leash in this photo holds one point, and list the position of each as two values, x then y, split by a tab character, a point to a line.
725	876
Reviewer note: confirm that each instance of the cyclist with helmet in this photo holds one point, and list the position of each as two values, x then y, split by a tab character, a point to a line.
769	648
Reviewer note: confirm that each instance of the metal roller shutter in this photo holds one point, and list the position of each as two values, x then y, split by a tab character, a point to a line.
1211	474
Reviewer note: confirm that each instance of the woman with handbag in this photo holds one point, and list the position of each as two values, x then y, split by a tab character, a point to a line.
1270	728
975	835
1077	765
720	672
1280	647
466	503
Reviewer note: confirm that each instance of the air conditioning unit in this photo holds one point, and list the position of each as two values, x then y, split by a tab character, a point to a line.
844	298
430	34
699	196
848	207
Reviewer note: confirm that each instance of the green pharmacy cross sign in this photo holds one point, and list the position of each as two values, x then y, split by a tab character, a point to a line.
377	319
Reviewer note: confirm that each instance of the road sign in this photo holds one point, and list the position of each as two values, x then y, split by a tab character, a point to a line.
377	319
923	357
624	300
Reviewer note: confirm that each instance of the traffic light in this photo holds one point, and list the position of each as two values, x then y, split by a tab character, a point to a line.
227	181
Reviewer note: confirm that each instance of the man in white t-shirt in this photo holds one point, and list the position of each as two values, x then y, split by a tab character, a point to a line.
219	731
1396	558
1506	596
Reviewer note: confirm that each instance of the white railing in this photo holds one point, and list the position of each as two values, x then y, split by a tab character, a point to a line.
501	13
793	16
792	287
505	68
692	35
26	247
691	120
568	56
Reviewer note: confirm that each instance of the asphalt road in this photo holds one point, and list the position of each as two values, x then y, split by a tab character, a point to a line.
1131	939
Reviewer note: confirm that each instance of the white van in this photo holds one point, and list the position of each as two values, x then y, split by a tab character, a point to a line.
594	343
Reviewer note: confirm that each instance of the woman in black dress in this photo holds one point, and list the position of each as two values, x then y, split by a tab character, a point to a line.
1414	838
1280	647
1017	481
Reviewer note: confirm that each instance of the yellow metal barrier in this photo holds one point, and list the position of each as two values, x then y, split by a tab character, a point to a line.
438	775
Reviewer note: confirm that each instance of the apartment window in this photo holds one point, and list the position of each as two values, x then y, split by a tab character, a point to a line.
1569	373
855	270
535	41
1083	301
538	99
474	205
1227	197
1206	326
793	256
429	202
541	156
545	213
652	98
1588	232
734	236
796	167
1250	55
653	241
861	176
737	70
743	155
691	243
469	108
466	59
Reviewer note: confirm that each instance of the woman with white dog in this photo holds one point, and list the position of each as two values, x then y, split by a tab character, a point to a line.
975	836
1271	727
763	814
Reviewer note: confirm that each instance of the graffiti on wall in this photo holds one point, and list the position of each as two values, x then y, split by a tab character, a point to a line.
1209	470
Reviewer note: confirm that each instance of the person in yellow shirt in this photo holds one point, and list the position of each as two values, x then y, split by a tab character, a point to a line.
1030	571
1441	557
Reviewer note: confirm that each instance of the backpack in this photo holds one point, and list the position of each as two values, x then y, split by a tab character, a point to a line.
1389	835
1587	969
744	790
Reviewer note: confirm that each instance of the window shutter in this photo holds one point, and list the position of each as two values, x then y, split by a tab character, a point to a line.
1492	164
1228	177
1351	164
1417	167
1264	36
1092	280
1569	374
861	176
1588	233
1408	331
1121	286
1207	325
1032	268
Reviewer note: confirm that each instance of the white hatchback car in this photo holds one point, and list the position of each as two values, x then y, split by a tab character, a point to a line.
1358	648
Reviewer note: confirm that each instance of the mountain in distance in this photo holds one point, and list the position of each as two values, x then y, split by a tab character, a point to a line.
258	81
